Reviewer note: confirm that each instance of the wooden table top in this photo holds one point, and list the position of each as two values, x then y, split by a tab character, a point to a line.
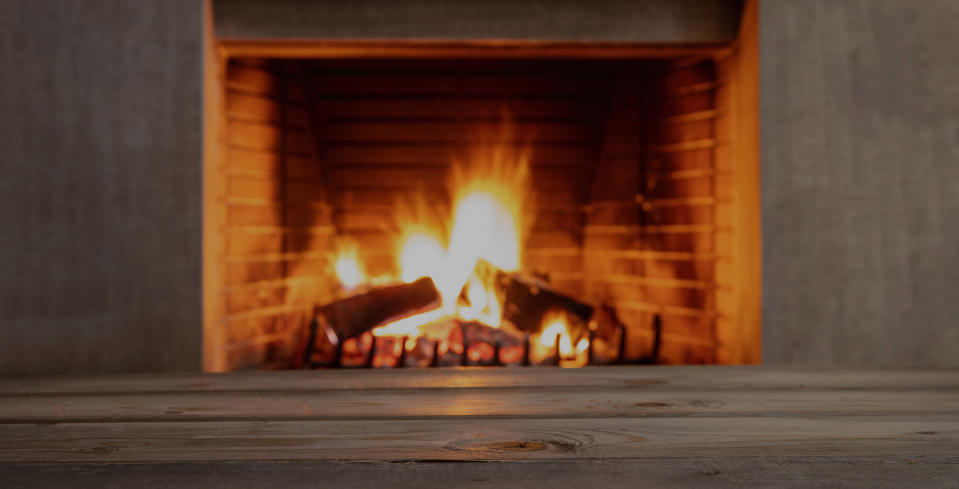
485	427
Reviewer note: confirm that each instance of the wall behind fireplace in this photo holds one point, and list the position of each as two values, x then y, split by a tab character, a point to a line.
100	126
100	187
860	181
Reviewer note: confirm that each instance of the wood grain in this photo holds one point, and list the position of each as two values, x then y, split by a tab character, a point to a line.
485	438
713	471
688	425
650	378
538	403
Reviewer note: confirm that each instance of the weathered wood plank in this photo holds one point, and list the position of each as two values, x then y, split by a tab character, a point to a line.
715	471
482	438
682	426
654	377
535	403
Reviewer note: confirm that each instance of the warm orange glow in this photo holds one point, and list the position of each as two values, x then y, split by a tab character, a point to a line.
410	325
348	268
420	256
556	325
484	305
485	226
488	191
565	345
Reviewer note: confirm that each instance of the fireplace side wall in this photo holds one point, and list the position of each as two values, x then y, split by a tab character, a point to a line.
276	233
658	238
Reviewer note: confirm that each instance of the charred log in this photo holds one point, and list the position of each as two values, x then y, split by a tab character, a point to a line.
528	300
475	332
493	339
355	315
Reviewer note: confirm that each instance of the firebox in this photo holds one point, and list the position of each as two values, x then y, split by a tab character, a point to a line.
624	183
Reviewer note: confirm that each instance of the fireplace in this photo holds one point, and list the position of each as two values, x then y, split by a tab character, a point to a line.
633	203
623	181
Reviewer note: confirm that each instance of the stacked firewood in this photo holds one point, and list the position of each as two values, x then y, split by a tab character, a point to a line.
526	299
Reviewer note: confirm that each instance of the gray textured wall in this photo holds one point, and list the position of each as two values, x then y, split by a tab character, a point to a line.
860	175
100	132
667	21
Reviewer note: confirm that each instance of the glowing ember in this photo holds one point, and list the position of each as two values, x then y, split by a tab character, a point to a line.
556	326
410	325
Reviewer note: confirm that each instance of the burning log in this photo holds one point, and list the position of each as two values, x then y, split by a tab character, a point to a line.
360	313
474	332
528	300
482	344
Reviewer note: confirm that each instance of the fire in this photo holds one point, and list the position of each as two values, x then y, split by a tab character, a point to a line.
488	190
410	325
482	303
421	255
556	327
483	227
348	268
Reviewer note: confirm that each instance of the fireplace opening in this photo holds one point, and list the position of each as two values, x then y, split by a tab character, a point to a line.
455	211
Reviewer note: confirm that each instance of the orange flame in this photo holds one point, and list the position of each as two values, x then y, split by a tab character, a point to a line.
486	222
488	190
556	325
347	266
